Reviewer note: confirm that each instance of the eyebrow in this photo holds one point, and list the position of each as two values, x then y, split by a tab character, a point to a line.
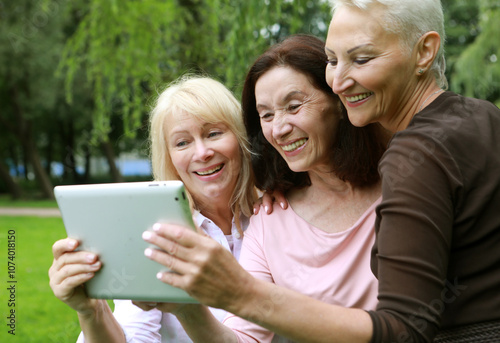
357	47
285	98
350	50
291	94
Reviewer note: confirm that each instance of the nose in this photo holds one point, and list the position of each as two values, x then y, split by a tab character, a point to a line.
338	78
281	125
203	151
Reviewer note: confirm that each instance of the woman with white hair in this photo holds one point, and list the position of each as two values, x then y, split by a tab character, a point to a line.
437	248
437	253
197	136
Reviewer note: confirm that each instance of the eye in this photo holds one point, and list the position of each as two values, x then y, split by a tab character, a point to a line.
362	60
181	144
332	62
214	134
292	108
266	116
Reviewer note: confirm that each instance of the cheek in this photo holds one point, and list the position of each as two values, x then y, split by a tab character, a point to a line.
237	165
229	148
267	131
234	154
330	120
180	161
329	75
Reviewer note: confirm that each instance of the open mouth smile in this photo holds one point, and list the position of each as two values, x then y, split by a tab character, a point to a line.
210	171
295	145
359	97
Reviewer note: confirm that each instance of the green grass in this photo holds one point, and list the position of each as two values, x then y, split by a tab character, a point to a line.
6	201
40	316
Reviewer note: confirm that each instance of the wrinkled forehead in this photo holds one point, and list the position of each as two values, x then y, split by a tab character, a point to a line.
368	20
352	27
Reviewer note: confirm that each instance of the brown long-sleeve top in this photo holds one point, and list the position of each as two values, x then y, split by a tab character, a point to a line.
437	251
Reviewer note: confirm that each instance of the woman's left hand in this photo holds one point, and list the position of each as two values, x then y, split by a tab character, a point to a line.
267	201
202	267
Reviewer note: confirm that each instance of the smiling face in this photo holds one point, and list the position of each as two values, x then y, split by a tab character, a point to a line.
367	67
299	120
206	157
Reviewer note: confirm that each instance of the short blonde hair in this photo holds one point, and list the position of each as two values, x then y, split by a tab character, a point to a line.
207	100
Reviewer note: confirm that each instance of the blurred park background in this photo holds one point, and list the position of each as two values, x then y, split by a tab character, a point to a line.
77	78
77	81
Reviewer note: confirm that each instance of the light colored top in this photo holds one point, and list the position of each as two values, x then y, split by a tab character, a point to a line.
155	326
285	249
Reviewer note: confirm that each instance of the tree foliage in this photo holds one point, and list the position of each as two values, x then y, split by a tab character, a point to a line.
119	45
77	78
476	70
128	48
29	45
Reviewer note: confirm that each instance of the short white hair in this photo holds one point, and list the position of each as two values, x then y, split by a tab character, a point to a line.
409	19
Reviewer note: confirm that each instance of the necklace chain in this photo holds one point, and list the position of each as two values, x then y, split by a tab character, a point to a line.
420	109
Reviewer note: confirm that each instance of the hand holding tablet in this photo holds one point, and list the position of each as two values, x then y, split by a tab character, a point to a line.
109	220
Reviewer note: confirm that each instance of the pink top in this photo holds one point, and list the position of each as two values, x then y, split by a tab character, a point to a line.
285	249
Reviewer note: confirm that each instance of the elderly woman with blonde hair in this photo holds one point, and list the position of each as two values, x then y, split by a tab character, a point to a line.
197	136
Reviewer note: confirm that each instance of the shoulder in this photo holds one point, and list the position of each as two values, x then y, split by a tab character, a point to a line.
278	221
453	116
451	131
277	216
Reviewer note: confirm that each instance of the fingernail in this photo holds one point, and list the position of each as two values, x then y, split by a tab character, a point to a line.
282	204
254	211
267	209
90	257
146	235
159	275
95	265
156	227
71	244
148	252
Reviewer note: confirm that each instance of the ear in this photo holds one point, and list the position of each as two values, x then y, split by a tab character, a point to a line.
426	49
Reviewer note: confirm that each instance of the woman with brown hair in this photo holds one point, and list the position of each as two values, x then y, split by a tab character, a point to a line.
304	146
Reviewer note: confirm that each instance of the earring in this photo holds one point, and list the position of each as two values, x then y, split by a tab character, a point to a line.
421	71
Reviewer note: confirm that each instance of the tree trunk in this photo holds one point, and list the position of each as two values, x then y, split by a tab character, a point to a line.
33	157
86	173
67	133
12	186
25	164
15	159
49	157
24	134
107	149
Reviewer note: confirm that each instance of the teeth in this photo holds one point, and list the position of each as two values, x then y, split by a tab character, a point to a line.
295	145
210	171
358	97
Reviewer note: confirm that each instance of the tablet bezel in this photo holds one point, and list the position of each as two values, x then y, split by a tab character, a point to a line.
109	219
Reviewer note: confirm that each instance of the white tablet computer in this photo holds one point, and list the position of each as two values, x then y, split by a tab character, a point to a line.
109	219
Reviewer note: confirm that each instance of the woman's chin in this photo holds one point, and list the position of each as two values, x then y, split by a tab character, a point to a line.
358	121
